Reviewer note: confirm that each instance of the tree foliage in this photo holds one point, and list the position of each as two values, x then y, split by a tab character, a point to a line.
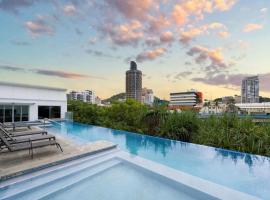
227	131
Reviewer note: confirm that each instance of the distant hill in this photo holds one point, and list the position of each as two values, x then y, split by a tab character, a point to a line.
116	97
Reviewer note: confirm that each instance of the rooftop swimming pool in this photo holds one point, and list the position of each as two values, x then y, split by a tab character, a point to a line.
243	172
114	175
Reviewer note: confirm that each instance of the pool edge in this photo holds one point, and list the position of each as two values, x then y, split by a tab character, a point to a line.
61	161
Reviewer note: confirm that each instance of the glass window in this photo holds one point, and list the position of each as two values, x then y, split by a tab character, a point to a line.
43	112
8	113
55	112
1	113
17	113
25	113
49	112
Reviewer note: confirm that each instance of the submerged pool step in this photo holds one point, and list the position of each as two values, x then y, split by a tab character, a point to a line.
44	187
54	169
52	187
20	188
76	180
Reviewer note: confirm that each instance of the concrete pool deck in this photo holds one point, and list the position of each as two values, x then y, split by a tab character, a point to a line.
13	164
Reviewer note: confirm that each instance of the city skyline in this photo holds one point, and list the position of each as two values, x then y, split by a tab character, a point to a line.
210	45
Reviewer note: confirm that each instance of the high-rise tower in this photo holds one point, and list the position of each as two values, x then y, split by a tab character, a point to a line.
250	90
134	82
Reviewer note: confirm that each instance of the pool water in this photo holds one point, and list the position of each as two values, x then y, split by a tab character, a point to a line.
120	182
243	172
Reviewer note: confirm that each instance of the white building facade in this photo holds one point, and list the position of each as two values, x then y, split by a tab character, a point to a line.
255	108
21	102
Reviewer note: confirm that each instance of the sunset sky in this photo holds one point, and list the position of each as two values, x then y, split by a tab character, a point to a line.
209	45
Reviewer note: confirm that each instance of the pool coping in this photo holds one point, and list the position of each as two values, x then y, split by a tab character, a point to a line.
208	190
51	164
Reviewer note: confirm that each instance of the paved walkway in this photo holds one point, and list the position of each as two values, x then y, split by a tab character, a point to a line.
15	163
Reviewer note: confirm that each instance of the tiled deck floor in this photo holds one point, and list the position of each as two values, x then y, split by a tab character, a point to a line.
12	163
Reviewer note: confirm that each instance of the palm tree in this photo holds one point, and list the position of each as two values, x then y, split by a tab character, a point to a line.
153	120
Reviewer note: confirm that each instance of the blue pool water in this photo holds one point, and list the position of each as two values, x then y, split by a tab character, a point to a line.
243	172
120	182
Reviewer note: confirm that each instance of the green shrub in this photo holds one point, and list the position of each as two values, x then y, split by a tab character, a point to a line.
180	126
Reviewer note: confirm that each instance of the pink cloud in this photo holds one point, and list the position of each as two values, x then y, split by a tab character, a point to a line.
151	54
187	36
69	9
157	23
125	34
202	55
166	37
152	41
132	9
39	26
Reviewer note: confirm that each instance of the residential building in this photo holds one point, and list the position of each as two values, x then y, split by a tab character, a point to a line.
250	90
73	95
87	96
147	96
185	100
134	82
22	102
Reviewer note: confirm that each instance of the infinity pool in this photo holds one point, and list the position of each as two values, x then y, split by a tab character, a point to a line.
243	172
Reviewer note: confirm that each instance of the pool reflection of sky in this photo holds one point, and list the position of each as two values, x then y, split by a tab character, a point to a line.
244	172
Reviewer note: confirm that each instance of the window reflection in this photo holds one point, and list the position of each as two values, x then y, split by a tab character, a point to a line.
17	113
1	113
14	113
25	113
8	113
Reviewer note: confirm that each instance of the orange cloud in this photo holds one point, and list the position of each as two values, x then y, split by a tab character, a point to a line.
179	15
224	5
252	27
198	8
223	34
187	36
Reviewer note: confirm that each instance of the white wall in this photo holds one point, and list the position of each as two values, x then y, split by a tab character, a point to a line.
34	97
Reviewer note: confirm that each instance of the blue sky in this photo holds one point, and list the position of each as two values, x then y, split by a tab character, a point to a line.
209	45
